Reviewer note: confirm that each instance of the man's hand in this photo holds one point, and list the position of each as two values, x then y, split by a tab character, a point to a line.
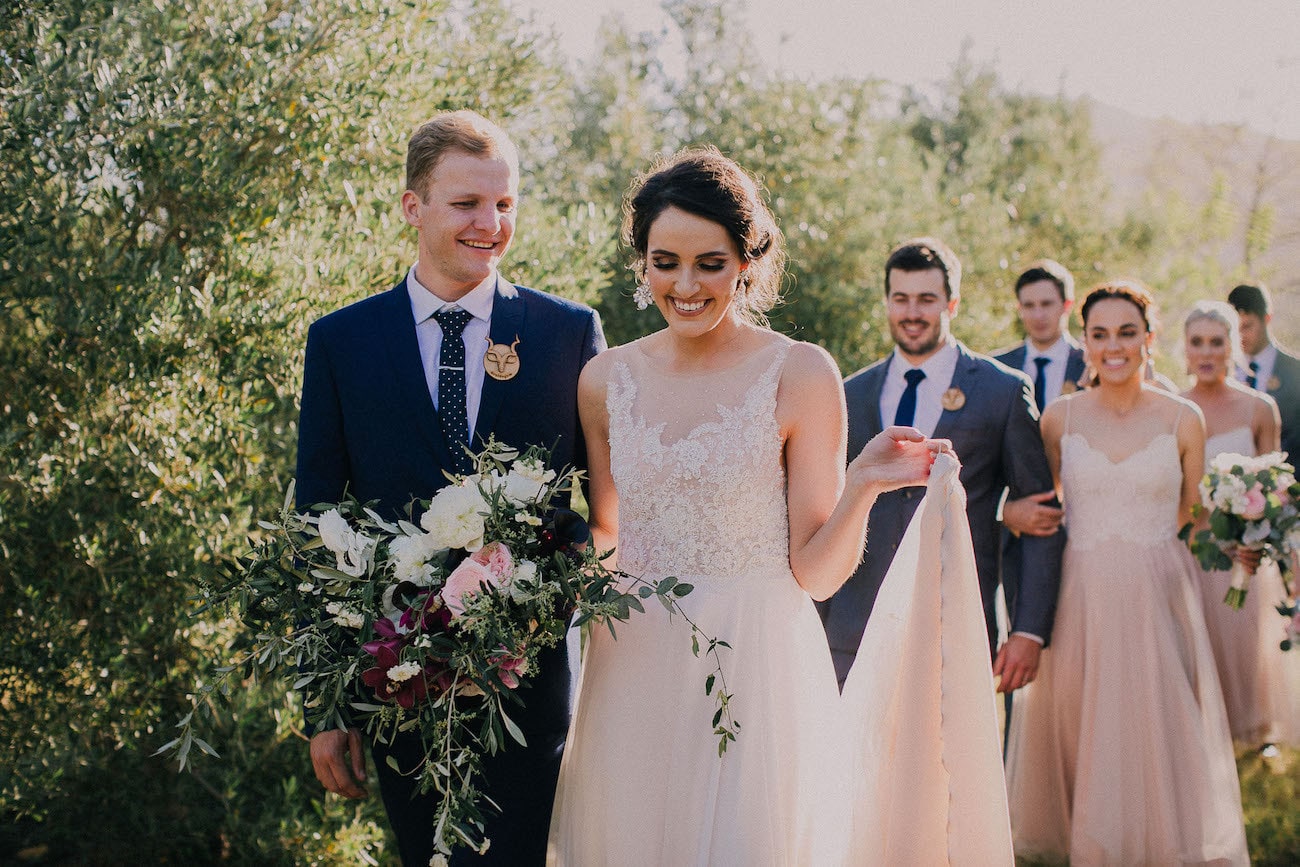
1031	516
1017	662
330	759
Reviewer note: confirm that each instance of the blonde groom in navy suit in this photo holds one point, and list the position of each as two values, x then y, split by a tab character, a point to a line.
395	388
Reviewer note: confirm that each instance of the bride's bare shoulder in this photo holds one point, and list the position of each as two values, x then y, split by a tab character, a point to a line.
807	362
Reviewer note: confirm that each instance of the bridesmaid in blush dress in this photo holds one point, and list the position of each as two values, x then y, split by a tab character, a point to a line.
1252	666
1120	751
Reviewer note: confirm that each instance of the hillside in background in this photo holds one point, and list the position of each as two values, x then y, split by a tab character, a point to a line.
1237	190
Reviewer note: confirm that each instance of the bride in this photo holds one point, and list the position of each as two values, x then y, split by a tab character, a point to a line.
717	456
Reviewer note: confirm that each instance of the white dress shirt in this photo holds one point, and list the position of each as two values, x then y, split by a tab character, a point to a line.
1265	358
1054	374
938	368
428	333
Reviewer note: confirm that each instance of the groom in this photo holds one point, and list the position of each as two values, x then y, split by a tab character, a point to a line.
934	383
394	388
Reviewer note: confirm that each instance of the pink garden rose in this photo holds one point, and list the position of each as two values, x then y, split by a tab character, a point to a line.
491	565
496	556
1254	503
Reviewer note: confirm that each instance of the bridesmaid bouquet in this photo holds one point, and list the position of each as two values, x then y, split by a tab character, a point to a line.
1251	503
431	626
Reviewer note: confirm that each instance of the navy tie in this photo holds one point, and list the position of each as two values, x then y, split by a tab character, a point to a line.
906	413
1254	374
1040	381
452	415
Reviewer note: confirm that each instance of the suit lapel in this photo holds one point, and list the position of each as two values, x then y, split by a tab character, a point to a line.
507	327
408	370
965	379
875	385
1016	357
1075	364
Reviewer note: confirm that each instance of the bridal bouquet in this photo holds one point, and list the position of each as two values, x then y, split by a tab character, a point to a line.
1251	503
432	626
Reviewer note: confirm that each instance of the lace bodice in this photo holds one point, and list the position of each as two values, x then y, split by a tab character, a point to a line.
1134	500
697	462
1239	440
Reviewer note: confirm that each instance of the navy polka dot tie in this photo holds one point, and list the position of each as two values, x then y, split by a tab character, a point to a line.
452	415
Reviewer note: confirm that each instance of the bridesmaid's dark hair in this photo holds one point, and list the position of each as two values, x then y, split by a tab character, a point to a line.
1126	289
703	182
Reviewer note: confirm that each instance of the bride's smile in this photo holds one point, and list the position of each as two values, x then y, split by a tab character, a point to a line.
694	270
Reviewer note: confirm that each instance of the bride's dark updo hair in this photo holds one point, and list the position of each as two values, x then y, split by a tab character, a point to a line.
1127	289
701	181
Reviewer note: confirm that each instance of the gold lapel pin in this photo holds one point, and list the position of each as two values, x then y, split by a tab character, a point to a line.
953	399
1069	387
501	361
1274	383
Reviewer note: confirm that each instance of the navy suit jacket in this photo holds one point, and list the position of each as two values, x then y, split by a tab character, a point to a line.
368	427
1013	552
1286	370
1075	365
995	435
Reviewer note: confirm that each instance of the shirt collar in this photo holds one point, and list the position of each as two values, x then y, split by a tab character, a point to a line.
1265	357
477	302
943	360
1057	352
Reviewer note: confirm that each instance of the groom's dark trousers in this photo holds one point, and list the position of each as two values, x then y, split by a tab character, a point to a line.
993	427
368	426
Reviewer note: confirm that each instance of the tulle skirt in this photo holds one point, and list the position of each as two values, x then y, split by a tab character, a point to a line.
642	782
1120	751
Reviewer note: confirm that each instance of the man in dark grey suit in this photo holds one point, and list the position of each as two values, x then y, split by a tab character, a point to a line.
1049	356
1268	368
1054	361
934	383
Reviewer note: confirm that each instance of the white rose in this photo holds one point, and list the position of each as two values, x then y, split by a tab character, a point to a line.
1230	491
1256	532
334	531
525	571
410	556
1224	462
520	488
454	518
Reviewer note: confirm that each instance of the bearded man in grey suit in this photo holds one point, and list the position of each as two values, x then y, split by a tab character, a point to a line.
934	383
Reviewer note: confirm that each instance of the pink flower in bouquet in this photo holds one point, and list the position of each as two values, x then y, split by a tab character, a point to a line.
496	556
510	668
471	575
1253	503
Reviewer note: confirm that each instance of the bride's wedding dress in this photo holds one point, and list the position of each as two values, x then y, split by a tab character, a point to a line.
697	461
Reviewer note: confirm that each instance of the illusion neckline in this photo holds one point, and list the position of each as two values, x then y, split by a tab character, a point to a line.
652	364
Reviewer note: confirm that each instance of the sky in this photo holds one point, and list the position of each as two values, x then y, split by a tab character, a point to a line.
1191	60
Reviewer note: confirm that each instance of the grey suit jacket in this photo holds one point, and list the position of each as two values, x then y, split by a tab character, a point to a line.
1014	358
995	434
1286	372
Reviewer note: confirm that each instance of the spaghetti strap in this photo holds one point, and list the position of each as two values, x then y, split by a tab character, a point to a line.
1069	404
1182	408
